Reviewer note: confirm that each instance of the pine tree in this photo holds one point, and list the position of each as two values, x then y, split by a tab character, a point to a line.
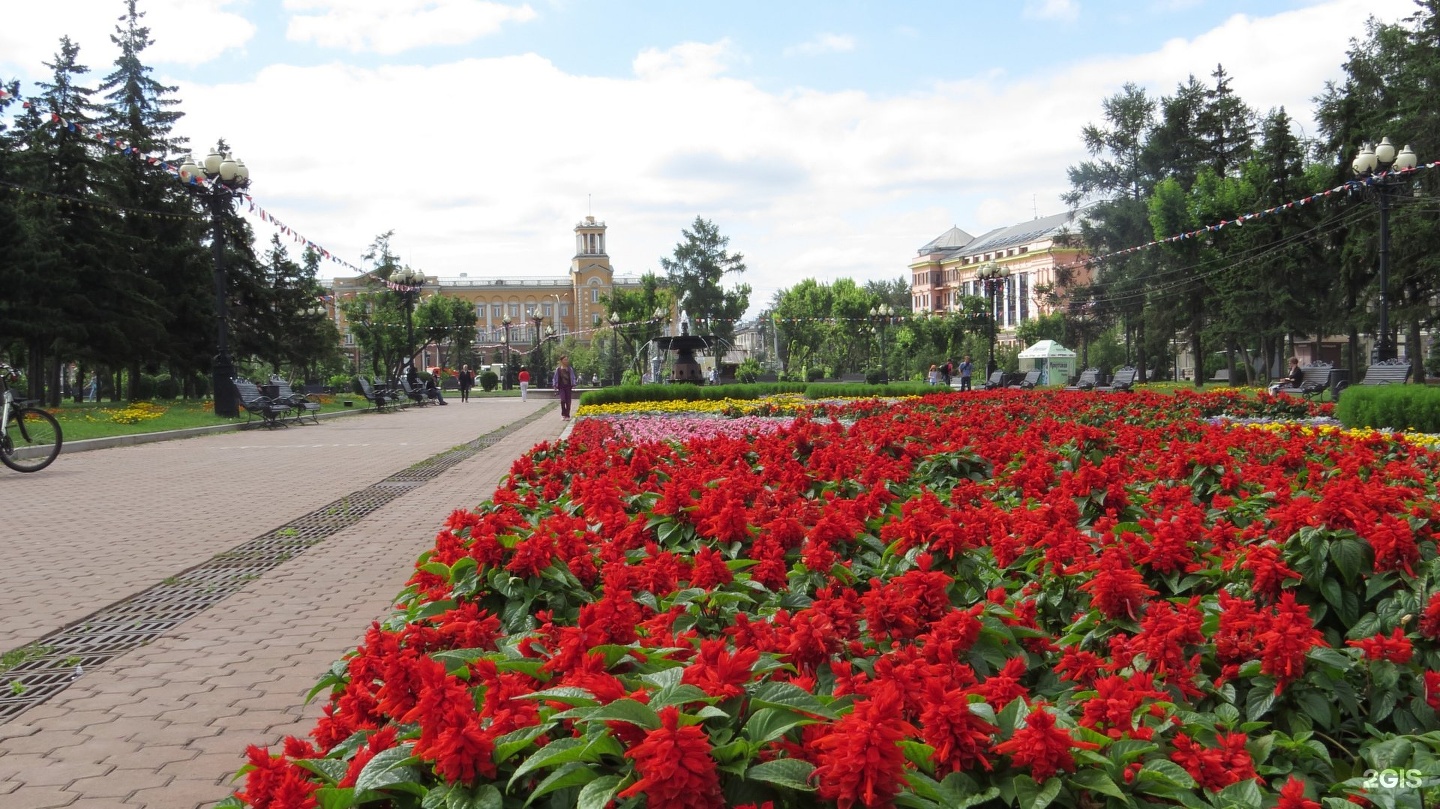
163	229
696	271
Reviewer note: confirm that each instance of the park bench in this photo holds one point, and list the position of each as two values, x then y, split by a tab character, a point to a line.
380	397
1030	380
1221	377
1089	378
414	393
1388	372
996	380
301	404
1313	382
271	412
1124	381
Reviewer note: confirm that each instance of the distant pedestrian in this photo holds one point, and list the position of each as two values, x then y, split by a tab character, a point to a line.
934	375
564	383
467	381
524	385
946	371
967	369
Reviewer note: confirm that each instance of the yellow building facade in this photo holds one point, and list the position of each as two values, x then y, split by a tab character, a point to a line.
569	303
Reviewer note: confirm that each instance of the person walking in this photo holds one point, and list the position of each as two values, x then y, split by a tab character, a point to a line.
564	382
946	371
524	385
467	381
967	369
934	376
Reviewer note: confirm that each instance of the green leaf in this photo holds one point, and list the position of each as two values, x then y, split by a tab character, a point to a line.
573	774
598	793
389	767
1164	771
769	724
516	740
785	772
1349	556
331	769
332	798
678	695
566	695
627	710
560	751
1331	658
790	697
1259	702
1097	781
1242	794
1031	795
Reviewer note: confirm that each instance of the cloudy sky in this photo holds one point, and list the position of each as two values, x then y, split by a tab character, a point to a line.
826	139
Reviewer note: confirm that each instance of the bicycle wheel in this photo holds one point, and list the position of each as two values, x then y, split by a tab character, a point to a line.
31	440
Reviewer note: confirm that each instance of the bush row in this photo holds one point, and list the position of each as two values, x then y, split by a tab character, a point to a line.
624	394
1398	407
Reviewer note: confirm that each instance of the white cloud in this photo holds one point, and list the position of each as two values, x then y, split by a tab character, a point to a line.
395	26
187	32
686	61
821	44
806	183
1065	10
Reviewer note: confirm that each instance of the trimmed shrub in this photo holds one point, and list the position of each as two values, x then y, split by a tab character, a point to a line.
814	374
833	390
488	380
166	387
1398	407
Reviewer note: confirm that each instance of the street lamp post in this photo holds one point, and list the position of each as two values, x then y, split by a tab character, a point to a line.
614	348
412	280
1384	170
505	360
993	276
548	343
881	316
218	180
535	318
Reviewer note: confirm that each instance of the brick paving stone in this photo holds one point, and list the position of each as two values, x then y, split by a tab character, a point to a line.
237	673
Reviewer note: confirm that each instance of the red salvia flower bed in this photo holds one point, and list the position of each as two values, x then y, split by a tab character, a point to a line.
1008	599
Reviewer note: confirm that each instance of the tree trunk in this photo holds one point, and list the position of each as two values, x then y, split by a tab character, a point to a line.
1140	350
1414	351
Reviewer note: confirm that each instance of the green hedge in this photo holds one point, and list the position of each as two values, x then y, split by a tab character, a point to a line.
691	393
1398	407
832	390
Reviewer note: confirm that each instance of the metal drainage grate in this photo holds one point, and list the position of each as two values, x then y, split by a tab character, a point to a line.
48	665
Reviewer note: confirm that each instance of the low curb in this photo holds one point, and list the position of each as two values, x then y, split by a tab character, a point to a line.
136	439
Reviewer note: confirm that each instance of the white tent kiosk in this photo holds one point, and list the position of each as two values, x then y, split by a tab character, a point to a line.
1055	362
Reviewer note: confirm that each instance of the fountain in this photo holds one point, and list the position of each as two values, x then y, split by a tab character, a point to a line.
687	368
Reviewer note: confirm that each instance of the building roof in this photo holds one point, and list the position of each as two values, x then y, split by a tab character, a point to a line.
952	239
1046	227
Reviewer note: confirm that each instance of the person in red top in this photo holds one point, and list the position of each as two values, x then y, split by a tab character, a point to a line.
524	384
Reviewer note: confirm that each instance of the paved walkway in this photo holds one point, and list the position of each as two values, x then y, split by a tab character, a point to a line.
166	725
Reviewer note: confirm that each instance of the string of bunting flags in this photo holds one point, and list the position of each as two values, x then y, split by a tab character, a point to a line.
265	216
1239	221
174	170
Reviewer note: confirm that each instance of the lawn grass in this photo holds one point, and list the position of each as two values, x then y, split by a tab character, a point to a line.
88	420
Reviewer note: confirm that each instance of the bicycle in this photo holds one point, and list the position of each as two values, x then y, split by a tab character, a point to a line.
30	438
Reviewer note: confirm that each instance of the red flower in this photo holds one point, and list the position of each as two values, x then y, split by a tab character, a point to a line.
860	758
1396	647
1284	645
1292	796
275	783
1041	746
961	738
1117	590
675	767
1430	621
719	673
1215	768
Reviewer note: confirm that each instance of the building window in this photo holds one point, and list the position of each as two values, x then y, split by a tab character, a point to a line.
1024	297
1010	284
514	310
564	310
349	339
497	311
595	294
